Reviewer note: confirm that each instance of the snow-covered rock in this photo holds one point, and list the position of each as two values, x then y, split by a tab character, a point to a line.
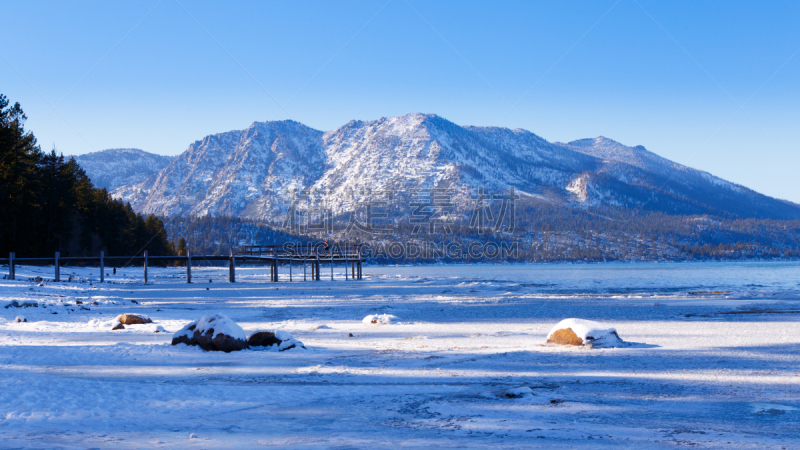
274	340
133	319
213	332
583	332
20	319
379	319
185	334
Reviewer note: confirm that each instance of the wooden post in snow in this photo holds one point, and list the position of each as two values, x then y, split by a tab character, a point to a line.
232	268
274	267
11	274
188	266
58	268
102	268
358	265
290	269
145	267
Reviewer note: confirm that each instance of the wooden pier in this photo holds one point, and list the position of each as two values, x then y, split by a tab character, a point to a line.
305	256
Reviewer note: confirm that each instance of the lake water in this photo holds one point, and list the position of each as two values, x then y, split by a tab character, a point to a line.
749	279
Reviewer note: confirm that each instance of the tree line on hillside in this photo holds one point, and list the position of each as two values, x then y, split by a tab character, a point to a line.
48	203
209	235
549	234
546	231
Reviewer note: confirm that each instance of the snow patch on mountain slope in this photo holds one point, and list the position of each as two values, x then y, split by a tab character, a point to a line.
579	188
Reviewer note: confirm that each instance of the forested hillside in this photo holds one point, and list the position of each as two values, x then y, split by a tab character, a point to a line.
48	204
549	234
209	235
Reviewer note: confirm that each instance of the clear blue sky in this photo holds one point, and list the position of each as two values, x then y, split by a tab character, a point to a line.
713	85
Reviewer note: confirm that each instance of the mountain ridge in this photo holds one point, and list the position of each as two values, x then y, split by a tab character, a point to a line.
261	171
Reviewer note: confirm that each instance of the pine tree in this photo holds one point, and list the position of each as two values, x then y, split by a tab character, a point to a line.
48	204
18	157
182	247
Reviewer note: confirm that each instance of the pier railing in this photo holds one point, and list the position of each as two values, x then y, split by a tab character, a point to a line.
294	251
272	255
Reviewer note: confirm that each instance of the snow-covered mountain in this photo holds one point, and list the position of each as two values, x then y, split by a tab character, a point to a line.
259	172
238	173
418	151
636	177
117	167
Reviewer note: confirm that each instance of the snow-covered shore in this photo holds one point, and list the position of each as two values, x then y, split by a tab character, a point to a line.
710	367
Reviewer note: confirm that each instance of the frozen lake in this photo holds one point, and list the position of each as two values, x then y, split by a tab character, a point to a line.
714	359
745	278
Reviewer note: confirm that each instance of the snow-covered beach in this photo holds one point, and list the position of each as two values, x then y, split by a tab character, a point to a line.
711	358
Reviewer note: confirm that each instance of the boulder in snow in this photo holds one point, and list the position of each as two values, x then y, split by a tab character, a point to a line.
184	335
133	319
20	319
118	326
379	319
213	332
279	340
263	339
585	333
